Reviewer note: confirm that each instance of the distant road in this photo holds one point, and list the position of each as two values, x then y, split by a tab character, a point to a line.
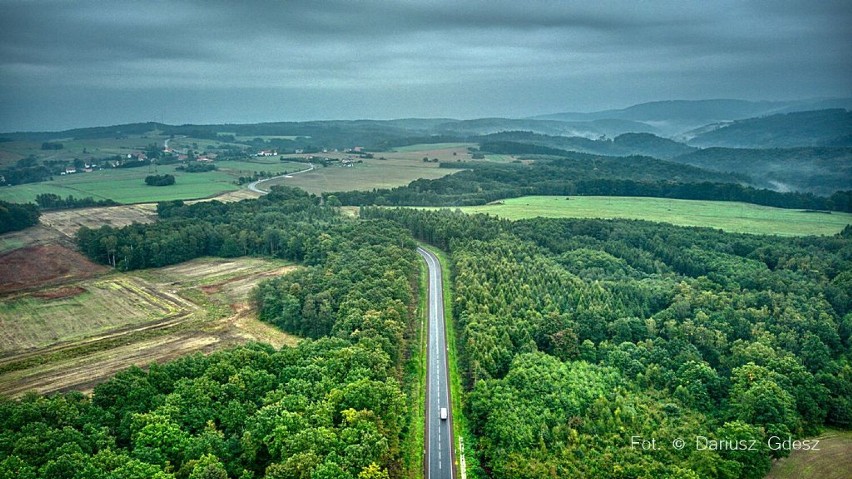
439	433
253	186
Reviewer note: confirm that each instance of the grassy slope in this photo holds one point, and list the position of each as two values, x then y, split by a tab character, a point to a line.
729	216
832	461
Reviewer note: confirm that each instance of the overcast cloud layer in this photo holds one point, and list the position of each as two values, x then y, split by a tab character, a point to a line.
67	64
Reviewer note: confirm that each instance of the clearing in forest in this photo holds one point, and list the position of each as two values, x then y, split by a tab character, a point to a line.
76	333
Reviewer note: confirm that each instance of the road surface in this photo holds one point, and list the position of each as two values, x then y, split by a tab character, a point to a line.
439	433
253	185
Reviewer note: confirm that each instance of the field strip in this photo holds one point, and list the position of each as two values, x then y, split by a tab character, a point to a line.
730	216
115	306
83	373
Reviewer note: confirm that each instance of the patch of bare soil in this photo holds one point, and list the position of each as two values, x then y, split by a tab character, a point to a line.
68	222
230	196
59	293
35	235
43	265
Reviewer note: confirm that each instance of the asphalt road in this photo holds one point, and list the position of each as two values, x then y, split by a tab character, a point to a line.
439	433
253	185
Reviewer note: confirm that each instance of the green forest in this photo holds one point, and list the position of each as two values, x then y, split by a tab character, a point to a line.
332	407
576	335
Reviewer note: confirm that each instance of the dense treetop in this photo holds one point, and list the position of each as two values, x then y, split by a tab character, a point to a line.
577	334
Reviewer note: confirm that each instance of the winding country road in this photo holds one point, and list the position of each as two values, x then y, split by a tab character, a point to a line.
253	185
439	432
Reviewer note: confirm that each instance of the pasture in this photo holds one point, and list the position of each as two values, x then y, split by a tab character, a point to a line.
127	185
728	216
387	170
12	151
433	147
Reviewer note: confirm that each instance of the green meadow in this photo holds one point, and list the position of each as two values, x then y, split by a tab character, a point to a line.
127	185
728	216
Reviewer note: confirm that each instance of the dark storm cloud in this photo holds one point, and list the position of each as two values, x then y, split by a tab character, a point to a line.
412	58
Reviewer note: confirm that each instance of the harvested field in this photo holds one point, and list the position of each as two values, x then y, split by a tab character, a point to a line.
57	339
387	170
68	222
59	293
83	373
32	321
230	196
43	265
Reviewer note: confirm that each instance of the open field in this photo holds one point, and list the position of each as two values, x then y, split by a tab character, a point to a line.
832	461
433	147
39	319
68	222
127	185
245	138
12	151
76	334
398	168
236	195
728	216
242	167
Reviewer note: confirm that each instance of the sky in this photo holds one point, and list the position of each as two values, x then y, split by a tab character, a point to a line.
76	63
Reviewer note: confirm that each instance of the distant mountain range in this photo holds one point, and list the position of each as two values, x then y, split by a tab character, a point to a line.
675	117
798	145
807	128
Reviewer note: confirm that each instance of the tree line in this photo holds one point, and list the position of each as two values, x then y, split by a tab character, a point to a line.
282	224
590	175
15	216
51	201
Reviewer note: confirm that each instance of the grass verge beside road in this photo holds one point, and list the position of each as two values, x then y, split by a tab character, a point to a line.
415	378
